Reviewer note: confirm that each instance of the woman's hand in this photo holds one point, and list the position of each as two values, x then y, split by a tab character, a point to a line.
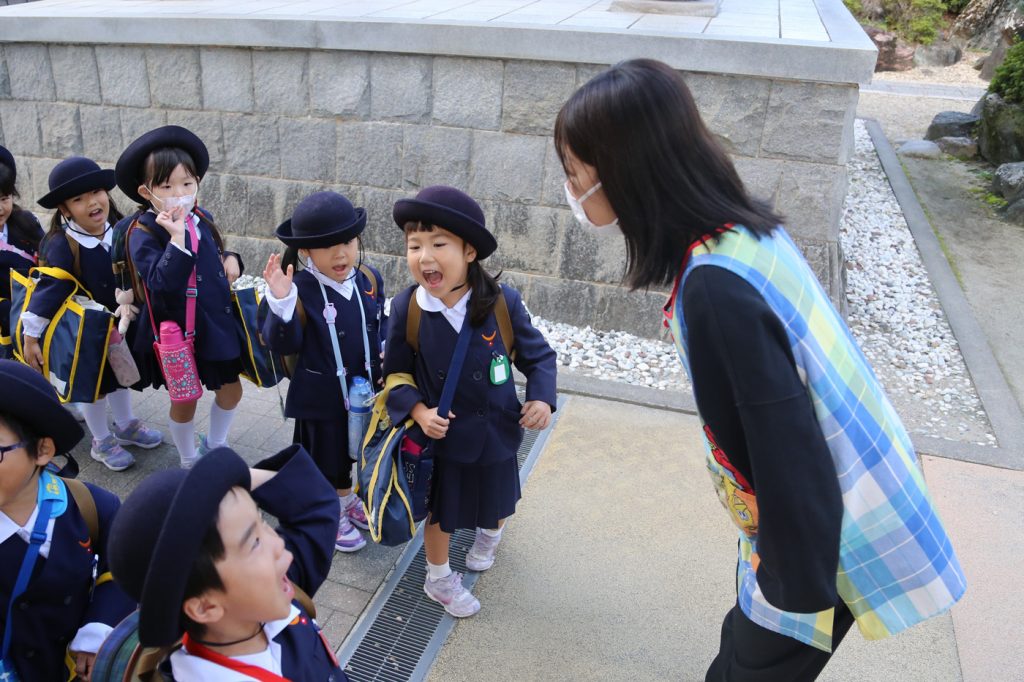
232	268
433	426
33	353
536	415
278	281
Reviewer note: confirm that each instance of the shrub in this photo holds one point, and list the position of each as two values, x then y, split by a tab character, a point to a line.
917	21
1008	81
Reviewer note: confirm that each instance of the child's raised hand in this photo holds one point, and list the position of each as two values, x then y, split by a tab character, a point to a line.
174	222
279	281
536	415
433	426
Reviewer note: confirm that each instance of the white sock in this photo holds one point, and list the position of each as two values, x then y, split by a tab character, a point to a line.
120	402
347	501
220	423
438	572
184	437
96	418
496	533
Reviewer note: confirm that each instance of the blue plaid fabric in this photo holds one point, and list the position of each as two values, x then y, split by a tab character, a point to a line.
897	566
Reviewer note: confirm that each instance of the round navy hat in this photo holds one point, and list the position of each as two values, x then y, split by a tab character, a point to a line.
129	167
321	220
158	532
7	159
74	176
451	209
26	396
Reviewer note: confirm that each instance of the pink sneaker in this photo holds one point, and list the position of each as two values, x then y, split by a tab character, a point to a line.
449	593
356	514
349	539
480	556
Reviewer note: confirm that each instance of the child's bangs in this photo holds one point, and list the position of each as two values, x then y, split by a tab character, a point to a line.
162	162
418	226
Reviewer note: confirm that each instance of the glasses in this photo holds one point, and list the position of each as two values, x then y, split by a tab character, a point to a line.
4	449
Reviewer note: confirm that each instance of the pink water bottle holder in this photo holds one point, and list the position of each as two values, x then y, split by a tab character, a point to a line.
175	350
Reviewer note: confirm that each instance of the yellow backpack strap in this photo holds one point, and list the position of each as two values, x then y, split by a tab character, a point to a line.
365	269
304	601
59	273
86	507
412	324
505	325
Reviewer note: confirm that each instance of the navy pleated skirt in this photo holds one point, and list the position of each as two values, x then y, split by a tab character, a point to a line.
326	440
472	495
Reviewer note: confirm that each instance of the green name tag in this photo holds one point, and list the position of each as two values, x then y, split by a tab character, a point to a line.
500	370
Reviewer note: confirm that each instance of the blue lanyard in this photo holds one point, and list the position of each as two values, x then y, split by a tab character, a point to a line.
36	541
330	314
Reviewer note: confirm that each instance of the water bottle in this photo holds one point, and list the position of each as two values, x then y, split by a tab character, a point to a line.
360	398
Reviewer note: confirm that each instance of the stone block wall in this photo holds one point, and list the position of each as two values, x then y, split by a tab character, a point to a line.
378	127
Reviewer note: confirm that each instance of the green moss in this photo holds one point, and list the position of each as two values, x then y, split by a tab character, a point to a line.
1008	81
994	200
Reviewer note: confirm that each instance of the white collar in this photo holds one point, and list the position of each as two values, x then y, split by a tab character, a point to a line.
187	667
455	315
8	528
343	288
75	231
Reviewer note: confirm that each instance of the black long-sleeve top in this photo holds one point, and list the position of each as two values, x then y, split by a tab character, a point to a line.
751	397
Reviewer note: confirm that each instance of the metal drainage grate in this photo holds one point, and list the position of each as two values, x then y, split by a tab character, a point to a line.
402	630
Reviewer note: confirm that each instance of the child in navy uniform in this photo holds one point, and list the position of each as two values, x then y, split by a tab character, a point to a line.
69	603
19	241
162	171
193	548
79	242
324	231
475	482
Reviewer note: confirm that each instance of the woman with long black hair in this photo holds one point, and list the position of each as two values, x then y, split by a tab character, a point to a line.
807	455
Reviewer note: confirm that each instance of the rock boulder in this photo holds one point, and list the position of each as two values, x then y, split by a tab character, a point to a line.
939	53
1001	130
922	149
892	56
952	124
959	147
1008	181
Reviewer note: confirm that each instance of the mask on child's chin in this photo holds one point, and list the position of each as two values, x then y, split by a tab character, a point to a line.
576	205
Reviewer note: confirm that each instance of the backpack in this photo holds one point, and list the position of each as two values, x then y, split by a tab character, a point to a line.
501	314
122	659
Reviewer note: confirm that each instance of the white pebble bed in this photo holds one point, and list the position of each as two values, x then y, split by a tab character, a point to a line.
894	315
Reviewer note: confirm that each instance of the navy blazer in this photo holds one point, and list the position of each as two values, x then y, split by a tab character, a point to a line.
314	391
486	427
165	270
12	261
97	275
60	597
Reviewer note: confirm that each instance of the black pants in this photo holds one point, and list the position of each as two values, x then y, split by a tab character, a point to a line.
751	653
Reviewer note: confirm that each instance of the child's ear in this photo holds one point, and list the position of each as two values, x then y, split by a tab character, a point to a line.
303	254
45	451
204	609
470	251
145	193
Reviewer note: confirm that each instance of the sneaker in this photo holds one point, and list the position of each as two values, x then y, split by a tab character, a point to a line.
137	433
480	556
356	514
113	456
449	593
349	538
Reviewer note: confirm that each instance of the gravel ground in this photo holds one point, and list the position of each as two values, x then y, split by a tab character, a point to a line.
894	314
961	73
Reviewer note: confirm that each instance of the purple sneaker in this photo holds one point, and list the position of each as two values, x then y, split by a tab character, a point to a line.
480	556
349	539
355	513
112	455
137	433
449	593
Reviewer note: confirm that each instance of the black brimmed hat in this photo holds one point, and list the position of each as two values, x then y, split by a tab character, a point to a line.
129	168
7	159
321	220
451	209
74	176
26	396
157	534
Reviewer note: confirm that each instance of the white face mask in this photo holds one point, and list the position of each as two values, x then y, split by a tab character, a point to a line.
168	204
581	215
